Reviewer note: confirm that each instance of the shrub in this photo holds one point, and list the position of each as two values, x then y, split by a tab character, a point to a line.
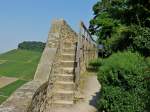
147	79
141	39
148	61
95	64
123	86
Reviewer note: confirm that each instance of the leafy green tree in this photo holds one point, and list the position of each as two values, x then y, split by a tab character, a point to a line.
123	28
122	25
32	45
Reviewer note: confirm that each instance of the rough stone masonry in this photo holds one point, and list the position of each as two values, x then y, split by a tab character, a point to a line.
33	96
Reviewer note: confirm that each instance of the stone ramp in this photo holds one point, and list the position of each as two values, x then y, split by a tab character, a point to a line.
43	69
21	98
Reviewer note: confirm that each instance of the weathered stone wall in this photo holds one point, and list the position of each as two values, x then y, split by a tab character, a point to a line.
60	33
39	100
20	99
34	95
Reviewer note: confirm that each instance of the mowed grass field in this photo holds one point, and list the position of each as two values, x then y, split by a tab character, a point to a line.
6	91
20	64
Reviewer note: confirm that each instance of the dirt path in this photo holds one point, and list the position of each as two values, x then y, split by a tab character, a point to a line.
89	95
2	61
6	80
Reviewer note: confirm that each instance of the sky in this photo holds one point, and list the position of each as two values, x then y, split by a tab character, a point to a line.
30	20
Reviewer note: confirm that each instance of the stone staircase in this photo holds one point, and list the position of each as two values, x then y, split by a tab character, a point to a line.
54	83
64	82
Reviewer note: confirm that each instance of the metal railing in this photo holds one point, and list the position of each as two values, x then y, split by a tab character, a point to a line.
77	67
84	33
82	48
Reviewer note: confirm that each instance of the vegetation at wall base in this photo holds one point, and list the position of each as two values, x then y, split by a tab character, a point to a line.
123	29
94	64
124	88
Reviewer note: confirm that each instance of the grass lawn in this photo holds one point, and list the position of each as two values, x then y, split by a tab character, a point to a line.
21	64
2	99
6	91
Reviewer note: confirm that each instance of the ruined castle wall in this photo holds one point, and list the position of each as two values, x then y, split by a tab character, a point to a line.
60	33
39	100
31	96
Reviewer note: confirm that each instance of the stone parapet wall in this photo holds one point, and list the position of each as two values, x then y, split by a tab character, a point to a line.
59	34
34	95
21	98
39	100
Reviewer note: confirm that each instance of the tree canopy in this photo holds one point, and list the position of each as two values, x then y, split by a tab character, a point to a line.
123	29
32	45
122	25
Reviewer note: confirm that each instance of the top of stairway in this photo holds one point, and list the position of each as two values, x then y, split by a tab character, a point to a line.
56	38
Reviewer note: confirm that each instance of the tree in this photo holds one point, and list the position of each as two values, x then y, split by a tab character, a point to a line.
32	45
118	23
123	25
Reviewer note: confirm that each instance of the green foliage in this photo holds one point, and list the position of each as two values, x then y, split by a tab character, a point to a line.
141	39
95	64
122	25
7	90
148	61
32	45
124	88
19	63
2	99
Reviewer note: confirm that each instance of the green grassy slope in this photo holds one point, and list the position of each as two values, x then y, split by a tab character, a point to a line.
19	63
6	91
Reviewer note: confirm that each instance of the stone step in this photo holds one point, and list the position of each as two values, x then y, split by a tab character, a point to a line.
66	70
68	56
68	50
63	85
62	103
64	95
64	77
67	63
69	45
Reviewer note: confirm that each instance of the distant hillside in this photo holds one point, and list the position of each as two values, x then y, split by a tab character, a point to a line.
19	63
32	45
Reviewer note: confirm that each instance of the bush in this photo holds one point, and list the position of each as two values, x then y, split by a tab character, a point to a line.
148	61
148	82
32	45
141	39
95	64
123	86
